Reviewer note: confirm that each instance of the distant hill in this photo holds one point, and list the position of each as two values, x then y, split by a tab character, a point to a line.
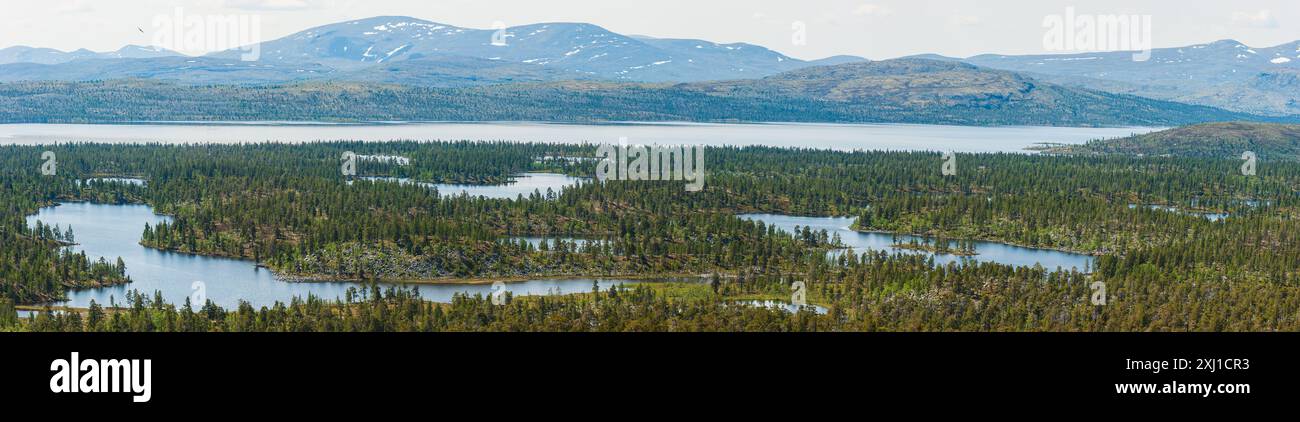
1225	74
894	91
179	69
579	48
377	50
1074	89
451	71
1224	140
960	93
21	54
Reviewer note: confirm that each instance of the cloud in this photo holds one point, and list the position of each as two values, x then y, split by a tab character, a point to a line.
76	7
965	20
869	9
1260	19
274	4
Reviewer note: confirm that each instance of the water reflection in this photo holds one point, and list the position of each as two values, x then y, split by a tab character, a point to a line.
122	180
524	184
1212	216
783	305
859	242
110	231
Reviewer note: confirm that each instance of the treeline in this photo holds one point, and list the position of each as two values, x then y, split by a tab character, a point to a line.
34	264
134	100
871	292
291	208
1269	142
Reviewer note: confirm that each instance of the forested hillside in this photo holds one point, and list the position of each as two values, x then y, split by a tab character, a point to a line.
1165	266
1228	139
897	91
1226	74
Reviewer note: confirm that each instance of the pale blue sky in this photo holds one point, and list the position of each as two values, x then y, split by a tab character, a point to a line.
871	28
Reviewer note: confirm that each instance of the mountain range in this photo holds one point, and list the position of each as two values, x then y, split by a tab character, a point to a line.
891	91
404	50
23	54
1225	74
569	65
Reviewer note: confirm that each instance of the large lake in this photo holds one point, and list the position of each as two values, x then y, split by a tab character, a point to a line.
110	231
895	137
859	242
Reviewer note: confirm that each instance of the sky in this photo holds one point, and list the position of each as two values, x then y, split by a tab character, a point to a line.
806	29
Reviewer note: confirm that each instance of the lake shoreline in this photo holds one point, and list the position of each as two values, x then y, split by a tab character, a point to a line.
323	278
342	123
988	240
854	240
829	136
470	281
461	281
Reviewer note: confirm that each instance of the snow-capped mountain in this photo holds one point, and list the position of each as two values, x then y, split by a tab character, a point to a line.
138	52
1224	73
409	51
23	54
580	48
405	50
